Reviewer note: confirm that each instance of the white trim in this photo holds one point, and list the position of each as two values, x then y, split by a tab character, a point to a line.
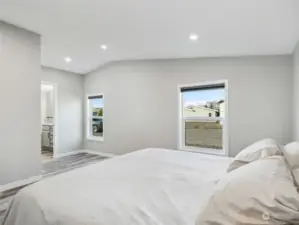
180	116
209	151
85	151
181	132
97	117
87	118
95	138
226	121
59	155
204	83
203	118
55	131
99	153
19	183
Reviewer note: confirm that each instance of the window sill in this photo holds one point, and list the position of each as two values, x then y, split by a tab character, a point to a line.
99	139
208	151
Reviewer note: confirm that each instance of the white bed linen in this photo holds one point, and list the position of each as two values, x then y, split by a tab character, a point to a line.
147	187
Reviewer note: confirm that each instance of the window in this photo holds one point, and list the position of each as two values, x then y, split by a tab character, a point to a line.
95	112
203	117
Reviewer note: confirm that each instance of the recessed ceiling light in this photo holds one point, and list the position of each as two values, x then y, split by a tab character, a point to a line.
193	37
104	47
67	59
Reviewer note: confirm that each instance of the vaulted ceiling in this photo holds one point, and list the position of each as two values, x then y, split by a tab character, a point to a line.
154	29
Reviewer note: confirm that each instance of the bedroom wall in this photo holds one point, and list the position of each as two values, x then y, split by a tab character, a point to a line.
20	104
141	102
70	108
296	93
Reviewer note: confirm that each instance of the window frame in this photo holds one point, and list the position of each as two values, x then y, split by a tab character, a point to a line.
90	117
182	119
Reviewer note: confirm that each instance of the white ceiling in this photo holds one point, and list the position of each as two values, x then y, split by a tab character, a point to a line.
151	29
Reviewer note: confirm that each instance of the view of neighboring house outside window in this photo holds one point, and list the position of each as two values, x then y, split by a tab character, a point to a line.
199	111
222	108
202	117
95	108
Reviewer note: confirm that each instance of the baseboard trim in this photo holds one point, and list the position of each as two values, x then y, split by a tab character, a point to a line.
109	155
84	151
19	183
59	155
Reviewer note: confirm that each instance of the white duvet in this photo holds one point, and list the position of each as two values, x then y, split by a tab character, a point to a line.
148	187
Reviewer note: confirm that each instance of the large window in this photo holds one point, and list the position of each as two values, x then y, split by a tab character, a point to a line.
95	112
202	117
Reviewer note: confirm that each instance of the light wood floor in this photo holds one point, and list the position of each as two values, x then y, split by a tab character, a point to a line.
52	167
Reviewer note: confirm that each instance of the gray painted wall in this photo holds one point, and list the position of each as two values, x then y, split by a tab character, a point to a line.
141	102
296	93
20	109
70	108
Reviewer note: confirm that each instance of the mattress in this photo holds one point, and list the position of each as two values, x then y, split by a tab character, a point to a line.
147	187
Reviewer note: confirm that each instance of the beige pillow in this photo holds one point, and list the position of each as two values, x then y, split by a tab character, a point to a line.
261	192
258	150
291	153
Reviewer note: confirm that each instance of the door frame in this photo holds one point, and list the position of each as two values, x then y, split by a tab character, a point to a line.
55	130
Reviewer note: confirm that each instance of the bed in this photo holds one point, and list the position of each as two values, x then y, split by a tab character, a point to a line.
147	187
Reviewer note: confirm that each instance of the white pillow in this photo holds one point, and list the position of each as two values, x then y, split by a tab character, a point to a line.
258	150
259	193
291	153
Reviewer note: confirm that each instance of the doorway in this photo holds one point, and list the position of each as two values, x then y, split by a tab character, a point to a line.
48	120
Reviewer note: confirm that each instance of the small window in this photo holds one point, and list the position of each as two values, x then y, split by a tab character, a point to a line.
202	117
95	107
